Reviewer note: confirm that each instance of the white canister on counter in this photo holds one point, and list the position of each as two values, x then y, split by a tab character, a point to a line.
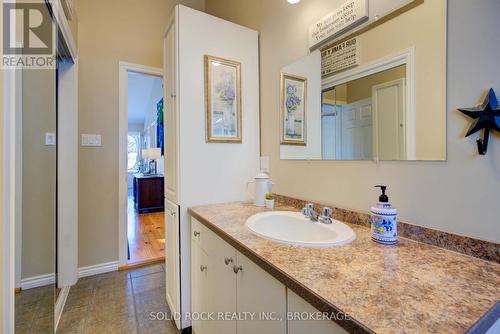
262	186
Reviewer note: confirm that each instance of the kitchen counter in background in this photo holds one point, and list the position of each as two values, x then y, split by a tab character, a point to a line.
408	288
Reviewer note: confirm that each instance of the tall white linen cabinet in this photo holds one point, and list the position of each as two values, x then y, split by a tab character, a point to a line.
198	172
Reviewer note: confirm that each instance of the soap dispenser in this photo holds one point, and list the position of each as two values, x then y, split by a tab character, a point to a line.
384	220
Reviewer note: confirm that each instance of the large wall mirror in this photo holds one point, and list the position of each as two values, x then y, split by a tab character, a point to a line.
376	92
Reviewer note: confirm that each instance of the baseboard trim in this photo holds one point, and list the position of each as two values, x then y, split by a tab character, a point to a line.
37	281
98	269
60	302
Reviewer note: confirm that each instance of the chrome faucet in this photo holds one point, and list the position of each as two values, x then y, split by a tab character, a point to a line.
325	216
309	212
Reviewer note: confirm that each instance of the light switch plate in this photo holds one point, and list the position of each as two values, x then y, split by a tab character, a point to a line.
264	164
91	140
50	139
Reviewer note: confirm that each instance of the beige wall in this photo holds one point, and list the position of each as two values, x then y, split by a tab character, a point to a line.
196	4
362	88
458	195
39	174
108	32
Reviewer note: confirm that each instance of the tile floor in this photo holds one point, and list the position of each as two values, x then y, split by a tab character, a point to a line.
34	311
118	302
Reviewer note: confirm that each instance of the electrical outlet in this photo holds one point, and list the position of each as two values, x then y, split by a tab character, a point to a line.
50	139
91	140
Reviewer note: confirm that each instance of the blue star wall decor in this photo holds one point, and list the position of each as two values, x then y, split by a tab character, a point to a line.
486	117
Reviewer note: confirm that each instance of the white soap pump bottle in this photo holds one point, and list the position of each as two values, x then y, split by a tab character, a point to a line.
384	220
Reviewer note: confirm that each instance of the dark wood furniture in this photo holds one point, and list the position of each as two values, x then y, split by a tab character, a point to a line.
148	193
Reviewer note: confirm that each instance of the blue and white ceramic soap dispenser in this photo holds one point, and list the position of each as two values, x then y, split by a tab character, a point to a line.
384	220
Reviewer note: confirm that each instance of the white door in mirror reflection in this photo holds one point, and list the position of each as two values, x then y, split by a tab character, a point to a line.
389	123
356	140
347	131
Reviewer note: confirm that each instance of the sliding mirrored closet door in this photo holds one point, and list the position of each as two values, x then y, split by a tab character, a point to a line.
35	175
36	203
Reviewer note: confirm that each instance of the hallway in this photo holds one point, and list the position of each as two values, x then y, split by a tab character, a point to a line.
146	235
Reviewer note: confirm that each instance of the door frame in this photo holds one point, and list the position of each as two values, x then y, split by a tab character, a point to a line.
404	57
123	69
11	98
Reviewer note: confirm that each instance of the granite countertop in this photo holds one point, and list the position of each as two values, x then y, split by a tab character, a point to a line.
408	288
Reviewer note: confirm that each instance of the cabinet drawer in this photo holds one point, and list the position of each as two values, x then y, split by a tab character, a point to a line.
200	234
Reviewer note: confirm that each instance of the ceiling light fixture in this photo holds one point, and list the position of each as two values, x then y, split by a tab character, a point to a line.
293	2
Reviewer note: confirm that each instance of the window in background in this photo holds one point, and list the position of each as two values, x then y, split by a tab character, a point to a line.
133	149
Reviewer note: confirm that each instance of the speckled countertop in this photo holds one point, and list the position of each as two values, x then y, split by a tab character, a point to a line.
408	288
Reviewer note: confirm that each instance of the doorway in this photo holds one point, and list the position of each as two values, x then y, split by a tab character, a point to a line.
142	219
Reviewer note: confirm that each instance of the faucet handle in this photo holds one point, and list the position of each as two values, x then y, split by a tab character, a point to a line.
327	212
325	215
308	209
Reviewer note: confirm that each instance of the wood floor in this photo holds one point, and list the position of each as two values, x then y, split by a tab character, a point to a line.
146	236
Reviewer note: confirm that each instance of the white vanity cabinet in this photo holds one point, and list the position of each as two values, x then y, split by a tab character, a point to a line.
297	307
225	281
199	285
232	286
259	293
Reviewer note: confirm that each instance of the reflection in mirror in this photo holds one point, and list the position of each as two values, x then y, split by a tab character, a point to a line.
373	93
364	118
36	203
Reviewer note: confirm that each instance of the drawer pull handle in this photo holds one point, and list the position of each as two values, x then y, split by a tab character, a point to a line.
196	233
203	268
228	260
236	269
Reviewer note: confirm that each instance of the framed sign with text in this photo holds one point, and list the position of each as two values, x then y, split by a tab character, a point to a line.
348	15
339	57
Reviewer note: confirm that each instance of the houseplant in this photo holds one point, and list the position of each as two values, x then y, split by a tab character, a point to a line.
269	200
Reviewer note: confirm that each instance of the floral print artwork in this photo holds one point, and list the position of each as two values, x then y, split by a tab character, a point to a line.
223	103
293	110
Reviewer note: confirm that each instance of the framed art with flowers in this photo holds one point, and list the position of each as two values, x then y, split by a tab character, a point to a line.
222	100
293	109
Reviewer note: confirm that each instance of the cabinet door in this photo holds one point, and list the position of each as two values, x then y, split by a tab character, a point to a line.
296	307
259	292
172	257
170	114
222	283
199	287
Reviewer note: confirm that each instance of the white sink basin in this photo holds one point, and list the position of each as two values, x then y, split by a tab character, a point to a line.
294	229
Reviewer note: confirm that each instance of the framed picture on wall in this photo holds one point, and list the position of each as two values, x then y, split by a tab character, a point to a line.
293	109
160	140
222	100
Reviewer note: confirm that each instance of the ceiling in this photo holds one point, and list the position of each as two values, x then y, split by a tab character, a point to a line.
144	91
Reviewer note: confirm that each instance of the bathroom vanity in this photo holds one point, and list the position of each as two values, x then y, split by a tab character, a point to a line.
365	287
243	297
